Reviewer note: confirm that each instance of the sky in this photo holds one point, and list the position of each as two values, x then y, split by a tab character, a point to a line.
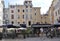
44	4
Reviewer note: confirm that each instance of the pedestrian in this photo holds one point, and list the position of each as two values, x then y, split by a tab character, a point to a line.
41	30
38	33
51	33
46	33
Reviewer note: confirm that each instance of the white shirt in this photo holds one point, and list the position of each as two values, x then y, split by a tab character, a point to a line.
41	29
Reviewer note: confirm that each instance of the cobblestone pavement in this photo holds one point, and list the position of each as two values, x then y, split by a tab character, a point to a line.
33	39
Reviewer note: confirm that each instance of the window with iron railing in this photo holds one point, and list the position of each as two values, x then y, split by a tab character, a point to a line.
12	22
12	16
18	10
12	11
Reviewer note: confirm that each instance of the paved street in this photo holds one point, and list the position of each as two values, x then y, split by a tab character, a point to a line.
33	39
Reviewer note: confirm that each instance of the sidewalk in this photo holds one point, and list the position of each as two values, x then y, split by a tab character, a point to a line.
34	39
